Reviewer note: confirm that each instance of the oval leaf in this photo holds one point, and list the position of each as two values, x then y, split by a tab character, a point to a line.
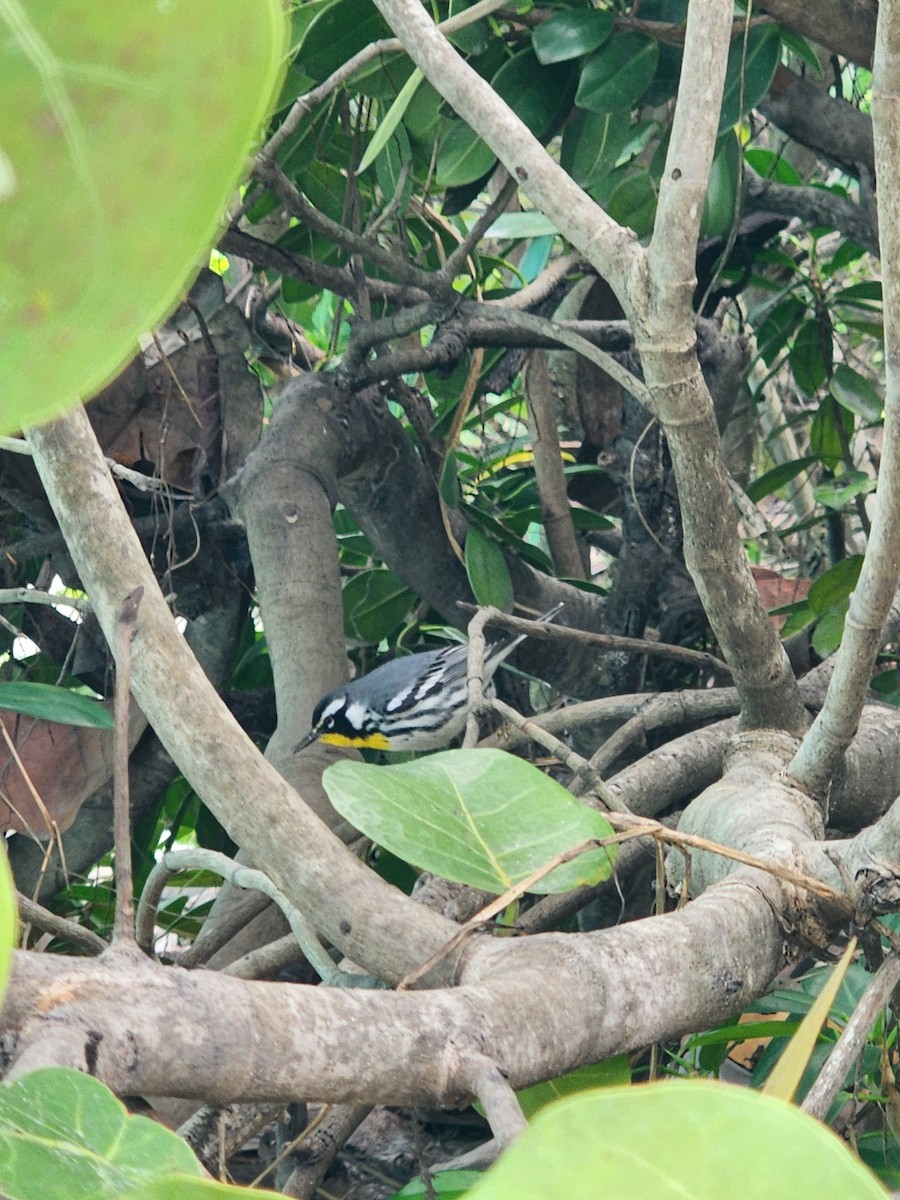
50	703
570	34
757	68
375	603
64	1133
107	212
856	393
480	817
487	570
670	1140
619	73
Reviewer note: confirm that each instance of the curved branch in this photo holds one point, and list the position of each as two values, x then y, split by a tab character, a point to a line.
253	802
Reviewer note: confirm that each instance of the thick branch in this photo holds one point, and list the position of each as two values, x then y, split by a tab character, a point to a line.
368	920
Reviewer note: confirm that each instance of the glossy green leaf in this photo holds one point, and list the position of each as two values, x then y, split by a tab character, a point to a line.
463	157
536	94
338	32
107	208
521	225
592	142
770	165
633	202
811	354
62	1133
571	33
830	430
829	631
856	393
487	570
836	584
480	817
471	39
619	73
839	492
866	295
778	477
390	120
747	79
50	703
719	207
778	327
668	1141
612	1072
375	604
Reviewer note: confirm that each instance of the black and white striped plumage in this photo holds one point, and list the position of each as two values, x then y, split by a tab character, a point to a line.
413	703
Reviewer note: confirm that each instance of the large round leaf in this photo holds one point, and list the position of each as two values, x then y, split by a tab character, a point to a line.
480	817
126	129
673	1140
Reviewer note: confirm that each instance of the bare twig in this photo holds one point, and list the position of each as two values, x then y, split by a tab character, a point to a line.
123	928
70	931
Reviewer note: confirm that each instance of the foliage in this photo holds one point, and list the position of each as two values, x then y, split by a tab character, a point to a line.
60	1125
99	176
480	817
391	183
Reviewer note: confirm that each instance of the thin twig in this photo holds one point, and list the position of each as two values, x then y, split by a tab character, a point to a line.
50	922
123	926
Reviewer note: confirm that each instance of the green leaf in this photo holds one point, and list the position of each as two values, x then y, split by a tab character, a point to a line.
9	920
861	295
592	142
612	1072
572	33
776	330
775	479
672	1140
811	354
762	59
182	1187
856	393
536	94
487	570
785	1078
338	32
829	631
618	74
450	1184
62	1133
836	584
521	225
837	493
474	38
480	817
390	121
721	190
831	428
375	603
770	165
633	202
50	703
106	213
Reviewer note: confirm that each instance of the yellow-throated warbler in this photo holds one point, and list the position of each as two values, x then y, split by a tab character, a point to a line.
412	703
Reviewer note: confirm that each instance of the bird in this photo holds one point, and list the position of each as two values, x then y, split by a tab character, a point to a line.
413	703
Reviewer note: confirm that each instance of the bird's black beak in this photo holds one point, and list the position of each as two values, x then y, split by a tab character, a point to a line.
306	741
